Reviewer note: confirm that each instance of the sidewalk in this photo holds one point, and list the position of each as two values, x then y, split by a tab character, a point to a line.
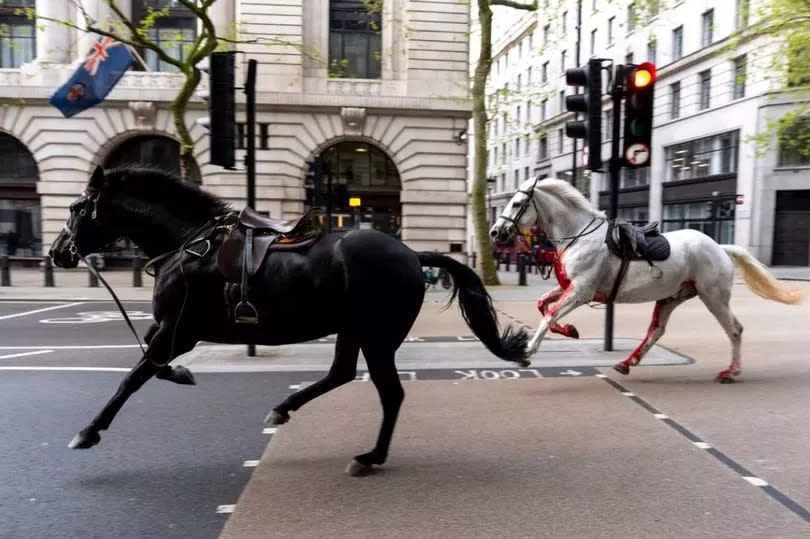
73	284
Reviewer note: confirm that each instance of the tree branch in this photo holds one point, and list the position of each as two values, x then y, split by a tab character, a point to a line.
516	5
137	37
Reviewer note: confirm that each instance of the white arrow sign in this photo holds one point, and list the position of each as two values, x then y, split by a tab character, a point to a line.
570	372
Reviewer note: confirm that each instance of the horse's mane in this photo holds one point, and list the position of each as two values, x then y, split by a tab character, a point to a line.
158	186
568	194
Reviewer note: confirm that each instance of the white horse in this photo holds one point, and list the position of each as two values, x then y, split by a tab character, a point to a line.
587	271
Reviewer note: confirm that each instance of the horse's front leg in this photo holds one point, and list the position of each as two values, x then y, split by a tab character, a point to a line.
569	300
158	355
568	330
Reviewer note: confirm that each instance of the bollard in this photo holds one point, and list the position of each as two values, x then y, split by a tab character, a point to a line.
497	263
48	270
473	260
93	283
5	271
137	267
521	269
508	260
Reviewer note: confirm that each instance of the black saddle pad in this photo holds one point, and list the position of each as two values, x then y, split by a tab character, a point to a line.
650	244
657	248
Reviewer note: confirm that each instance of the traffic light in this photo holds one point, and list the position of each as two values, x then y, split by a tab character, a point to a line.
638	114
221	121
588	102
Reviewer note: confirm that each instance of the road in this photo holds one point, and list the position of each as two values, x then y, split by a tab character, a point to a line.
177	458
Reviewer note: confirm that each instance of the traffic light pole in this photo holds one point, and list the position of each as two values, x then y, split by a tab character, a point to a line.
614	168
328	199
576	63
250	154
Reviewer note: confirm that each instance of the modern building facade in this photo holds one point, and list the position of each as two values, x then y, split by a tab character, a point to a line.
380	89
712	96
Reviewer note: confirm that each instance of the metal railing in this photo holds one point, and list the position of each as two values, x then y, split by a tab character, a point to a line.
46	264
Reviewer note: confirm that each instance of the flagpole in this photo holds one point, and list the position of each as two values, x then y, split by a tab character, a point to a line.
137	56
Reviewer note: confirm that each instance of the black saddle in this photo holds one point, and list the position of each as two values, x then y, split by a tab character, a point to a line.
252	237
630	242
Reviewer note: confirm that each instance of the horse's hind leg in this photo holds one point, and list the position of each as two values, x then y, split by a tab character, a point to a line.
717	304
661	313
385	377
343	370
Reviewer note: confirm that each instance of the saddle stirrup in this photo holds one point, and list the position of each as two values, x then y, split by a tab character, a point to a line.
245	312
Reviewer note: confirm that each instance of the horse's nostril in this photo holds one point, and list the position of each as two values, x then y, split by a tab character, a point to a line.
493	233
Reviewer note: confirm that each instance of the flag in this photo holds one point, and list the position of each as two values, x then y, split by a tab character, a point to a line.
104	66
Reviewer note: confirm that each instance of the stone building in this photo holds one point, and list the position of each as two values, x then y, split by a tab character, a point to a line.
383	96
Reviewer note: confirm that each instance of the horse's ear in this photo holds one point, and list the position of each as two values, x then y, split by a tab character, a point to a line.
97	179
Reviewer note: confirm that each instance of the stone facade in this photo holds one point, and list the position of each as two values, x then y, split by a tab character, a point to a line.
413	113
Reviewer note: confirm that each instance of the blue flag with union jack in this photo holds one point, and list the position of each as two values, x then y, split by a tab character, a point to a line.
104	66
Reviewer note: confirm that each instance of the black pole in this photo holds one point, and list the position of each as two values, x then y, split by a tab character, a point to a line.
576	63
48	267
5	271
250	154
137	277
614	167
92	279
328	199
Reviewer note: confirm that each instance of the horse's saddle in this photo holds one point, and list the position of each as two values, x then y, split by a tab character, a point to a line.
630	242
252	237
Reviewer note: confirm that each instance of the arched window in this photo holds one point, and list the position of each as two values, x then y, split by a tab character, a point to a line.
20	212
18	34
355	39
174	33
151	150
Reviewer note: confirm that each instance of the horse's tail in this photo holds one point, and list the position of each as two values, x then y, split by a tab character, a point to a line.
478	311
759	279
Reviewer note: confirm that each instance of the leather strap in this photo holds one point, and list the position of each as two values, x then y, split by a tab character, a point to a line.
619	278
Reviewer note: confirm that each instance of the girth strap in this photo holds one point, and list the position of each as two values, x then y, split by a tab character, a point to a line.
619	278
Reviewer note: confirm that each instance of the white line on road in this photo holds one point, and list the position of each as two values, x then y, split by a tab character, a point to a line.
628	394
21	354
702	445
70	347
225	508
250	463
26	313
80	369
269	430
661	416
756	481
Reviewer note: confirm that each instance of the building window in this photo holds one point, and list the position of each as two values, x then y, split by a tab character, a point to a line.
517	147
20	209
715	218
675	100
593	42
793	149
546	32
638	215
525	173
174	33
703	157
707	32
739	77
519	83
562	101
517	178
608	127
504	157
562	61
18	34
542	148
677	43
705	78
560	140
743	10
610	31
529	77
528	112
628	58
544	73
526	144
543	110
518	117
355	39
564	22
652	49
634	177
631	17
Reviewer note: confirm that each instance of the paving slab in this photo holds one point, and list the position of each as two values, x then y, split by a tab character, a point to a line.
517	458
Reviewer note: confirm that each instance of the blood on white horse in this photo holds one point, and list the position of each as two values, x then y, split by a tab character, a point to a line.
586	270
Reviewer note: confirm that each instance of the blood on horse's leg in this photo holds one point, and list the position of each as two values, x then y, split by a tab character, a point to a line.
566	330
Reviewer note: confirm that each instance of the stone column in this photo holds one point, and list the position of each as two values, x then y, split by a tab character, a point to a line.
222	15
103	16
53	39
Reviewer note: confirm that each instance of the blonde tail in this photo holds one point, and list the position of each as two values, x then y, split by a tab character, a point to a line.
759	279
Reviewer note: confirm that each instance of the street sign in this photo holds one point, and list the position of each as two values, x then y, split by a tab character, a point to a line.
637	154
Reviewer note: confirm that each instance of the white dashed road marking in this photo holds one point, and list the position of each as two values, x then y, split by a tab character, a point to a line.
756	481
26	313
21	354
250	463
226	508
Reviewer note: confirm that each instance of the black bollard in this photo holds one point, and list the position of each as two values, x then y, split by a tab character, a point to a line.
508	260
497	263
48	271
137	267
473	260
5	271
521	268
93	282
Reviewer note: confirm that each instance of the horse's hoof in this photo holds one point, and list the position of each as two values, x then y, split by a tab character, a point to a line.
84	440
621	368
358	469
724	379
276	418
571	331
523	362
179	375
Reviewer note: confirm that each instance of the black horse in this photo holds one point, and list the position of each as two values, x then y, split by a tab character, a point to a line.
364	286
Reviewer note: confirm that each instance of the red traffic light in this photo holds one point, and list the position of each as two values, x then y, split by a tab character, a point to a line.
642	76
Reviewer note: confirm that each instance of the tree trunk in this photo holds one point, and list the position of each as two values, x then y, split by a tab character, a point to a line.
486	262
178	106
